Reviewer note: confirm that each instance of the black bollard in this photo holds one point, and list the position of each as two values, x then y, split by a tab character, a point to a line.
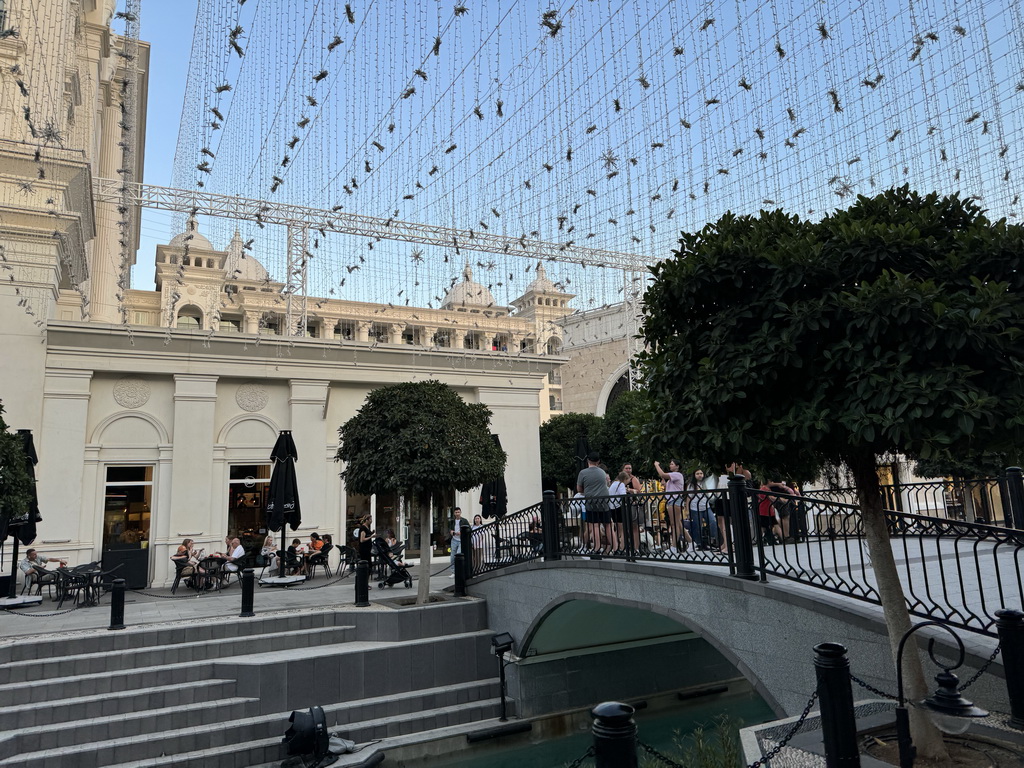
248	587
1010	624
742	542
460	575
467	550
549	526
614	736
117	605
362	584
835	699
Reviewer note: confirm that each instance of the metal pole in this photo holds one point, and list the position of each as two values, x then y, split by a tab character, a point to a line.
1010	625
626	510
460	575
1015	488
117	605
835	698
741	528
12	587
549	523
363	584
466	546
501	678
248	587
614	736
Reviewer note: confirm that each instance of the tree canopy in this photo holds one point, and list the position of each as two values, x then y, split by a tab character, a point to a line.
558	439
15	483
892	326
421	438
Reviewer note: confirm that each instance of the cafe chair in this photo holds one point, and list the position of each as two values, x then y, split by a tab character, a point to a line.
37	577
194	577
321	559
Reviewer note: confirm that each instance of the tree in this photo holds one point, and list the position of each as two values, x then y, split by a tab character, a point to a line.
421	439
15	483
615	434
894	326
559	437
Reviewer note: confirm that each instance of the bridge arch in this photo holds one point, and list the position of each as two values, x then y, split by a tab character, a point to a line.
766	631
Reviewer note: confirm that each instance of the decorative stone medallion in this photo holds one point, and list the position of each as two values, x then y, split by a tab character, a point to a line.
131	392
252	397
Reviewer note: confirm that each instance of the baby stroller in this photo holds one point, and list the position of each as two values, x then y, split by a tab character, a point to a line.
395	569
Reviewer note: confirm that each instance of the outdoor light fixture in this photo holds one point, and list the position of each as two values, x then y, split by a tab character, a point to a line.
307	735
502	643
948	710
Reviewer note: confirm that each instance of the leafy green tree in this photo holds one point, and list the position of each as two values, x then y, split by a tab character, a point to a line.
15	483
615	434
893	326
423	440
559	436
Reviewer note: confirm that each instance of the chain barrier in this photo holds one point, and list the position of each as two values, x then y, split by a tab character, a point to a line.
658	756
871	688
980	672
579	760
39	615
786	739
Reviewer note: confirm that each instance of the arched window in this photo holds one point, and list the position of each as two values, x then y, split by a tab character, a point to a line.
554	346
190	317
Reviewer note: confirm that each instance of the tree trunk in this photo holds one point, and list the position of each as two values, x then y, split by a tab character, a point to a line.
926	736
426	547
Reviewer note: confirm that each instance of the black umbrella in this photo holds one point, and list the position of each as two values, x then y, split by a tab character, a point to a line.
283	498
494	494
23	527
582	451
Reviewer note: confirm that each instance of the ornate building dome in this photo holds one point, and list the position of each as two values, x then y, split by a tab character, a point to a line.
541	283
241	266
198	241
467	293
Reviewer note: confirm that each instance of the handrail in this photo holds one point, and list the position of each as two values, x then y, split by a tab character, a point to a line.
951	570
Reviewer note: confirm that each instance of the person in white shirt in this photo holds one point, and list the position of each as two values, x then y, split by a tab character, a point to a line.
236	554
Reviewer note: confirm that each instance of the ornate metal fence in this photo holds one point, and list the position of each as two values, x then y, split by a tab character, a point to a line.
952	570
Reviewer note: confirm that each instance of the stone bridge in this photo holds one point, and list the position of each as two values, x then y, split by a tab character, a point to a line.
592	630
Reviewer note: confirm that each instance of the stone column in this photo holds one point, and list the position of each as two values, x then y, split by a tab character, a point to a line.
363	330
251	323
308	425
70	511
196	497
105	267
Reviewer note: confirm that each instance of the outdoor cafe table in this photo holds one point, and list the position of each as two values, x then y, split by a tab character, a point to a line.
213	567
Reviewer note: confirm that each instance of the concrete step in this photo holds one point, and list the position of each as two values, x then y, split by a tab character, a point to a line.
138	725
244	742
177	646
65	709
103	641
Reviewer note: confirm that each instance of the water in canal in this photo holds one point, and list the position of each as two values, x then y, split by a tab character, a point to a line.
660	728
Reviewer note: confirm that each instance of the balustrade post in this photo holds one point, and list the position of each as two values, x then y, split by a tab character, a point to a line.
1010	625
835	699
1015	490
741	535
549	526
614	736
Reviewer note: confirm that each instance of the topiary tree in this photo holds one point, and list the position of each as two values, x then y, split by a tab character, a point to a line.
559	437
15	483
894	326
421	439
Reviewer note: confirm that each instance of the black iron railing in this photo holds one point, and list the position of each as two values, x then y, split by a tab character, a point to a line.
952	570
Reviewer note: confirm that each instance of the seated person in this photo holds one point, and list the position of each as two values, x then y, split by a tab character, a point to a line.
233	559
269	552
315	542
293	558
186	560
34	568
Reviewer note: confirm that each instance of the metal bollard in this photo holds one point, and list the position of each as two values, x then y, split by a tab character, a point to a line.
1010	624
835	699
549	526
742	541
248	587
614	735
362	584
117	605
460	575
467	550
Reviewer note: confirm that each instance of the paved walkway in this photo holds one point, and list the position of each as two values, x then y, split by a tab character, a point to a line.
159	606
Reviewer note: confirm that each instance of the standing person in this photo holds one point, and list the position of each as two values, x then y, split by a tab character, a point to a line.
783	505
700	512
592	482
674	481
770	531
455	537
365	536
479	544
637	511
798	520
616	497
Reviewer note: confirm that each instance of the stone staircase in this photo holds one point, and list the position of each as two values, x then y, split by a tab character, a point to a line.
219	693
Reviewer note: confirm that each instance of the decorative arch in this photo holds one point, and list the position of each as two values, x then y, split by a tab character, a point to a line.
222	437
553	345
189	314
162	436
609	385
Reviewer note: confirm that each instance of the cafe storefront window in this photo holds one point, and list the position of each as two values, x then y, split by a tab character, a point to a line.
127	511
248	485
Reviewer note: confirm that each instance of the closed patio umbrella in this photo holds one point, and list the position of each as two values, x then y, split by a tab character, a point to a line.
23	527
283	498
